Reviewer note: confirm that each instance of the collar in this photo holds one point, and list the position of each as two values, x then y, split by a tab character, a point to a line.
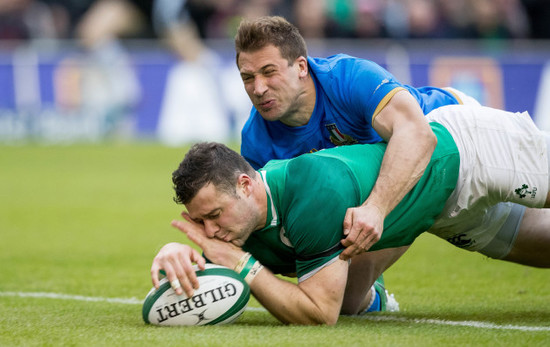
271	219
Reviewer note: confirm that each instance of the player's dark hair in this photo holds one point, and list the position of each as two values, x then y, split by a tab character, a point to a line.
208	162
253	35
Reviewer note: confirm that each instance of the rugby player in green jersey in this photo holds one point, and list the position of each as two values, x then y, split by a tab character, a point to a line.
286	218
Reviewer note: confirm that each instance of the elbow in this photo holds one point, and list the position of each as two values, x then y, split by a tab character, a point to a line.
329	315
326	319
331	321
316	320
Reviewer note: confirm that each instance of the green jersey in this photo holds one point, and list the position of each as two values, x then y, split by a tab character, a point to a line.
308	197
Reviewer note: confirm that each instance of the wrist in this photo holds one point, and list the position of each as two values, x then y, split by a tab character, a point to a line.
248	267
382	208
242	262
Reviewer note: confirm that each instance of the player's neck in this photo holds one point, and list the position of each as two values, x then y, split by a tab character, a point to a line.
305	104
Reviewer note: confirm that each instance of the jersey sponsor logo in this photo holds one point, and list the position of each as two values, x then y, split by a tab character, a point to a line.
524	191
337	137
384	81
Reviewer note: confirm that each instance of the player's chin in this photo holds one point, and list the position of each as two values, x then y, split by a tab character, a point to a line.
269	113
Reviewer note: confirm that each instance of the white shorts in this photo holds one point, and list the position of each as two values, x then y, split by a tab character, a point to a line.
503	158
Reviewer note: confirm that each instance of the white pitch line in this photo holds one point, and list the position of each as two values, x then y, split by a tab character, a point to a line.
135	301
43	295
471	324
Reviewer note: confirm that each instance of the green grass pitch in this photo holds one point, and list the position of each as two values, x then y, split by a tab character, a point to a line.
81	224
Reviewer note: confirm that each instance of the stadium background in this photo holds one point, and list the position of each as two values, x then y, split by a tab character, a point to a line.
58	88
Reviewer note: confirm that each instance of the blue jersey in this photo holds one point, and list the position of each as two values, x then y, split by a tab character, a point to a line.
349	93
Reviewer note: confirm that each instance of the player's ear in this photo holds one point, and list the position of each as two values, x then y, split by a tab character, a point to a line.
244	183
302	65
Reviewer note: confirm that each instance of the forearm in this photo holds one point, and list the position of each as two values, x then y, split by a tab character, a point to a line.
308	303
286	301
407	155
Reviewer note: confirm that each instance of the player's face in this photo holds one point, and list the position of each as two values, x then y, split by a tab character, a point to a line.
273	86
228	217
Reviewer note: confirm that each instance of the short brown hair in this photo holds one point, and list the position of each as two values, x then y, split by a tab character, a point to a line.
208	162
255	34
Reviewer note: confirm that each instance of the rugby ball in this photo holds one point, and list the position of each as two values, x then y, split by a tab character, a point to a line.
221	298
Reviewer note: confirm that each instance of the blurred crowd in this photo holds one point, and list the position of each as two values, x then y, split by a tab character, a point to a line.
88	20
98	89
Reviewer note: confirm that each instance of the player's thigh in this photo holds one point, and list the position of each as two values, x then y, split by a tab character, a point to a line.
363	271
532	244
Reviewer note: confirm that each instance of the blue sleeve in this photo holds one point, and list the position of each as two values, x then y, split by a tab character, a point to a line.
354	86
370	84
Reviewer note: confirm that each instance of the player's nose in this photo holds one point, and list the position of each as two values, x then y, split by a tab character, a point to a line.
260	87
211	228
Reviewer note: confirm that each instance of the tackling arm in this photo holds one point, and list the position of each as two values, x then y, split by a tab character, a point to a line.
411	143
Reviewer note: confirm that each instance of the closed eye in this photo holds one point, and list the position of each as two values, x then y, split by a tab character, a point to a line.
198	221
213	215
246	78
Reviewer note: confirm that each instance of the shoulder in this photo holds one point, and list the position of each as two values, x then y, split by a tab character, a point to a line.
318	183
341	74
340	62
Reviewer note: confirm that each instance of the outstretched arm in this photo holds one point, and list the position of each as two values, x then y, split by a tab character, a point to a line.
316	300
411	143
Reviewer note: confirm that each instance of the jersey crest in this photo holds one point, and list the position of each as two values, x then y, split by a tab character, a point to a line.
337	137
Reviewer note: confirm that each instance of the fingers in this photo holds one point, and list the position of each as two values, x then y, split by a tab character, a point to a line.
358	240
175	284
185	274
366	239
352	243
177	261
353	237
348	221
362	227
349	252
193	233
179	225
155	275
361	244
199	260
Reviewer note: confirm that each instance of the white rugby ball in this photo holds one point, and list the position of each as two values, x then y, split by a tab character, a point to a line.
221	298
